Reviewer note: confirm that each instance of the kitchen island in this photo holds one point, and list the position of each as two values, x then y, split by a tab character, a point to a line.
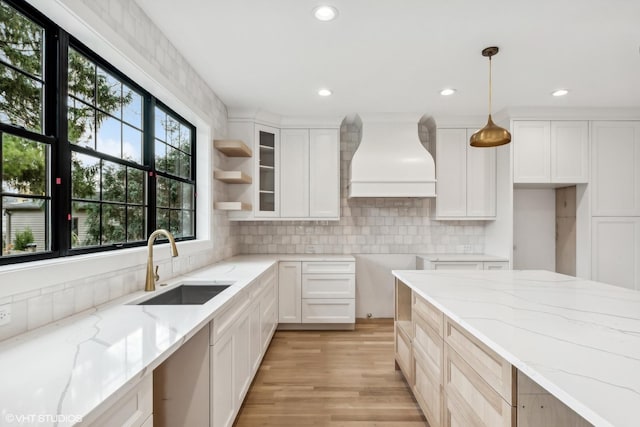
536	341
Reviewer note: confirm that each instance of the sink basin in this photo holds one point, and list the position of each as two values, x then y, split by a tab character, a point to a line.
187	294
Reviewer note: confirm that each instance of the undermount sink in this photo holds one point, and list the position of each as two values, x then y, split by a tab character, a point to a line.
188	294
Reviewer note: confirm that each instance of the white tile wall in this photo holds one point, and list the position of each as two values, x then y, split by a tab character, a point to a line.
367	225
125	19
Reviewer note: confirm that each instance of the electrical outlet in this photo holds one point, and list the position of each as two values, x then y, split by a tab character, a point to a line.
467	249
5	314
310	249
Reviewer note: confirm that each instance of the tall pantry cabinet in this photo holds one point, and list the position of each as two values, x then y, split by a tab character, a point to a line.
615	202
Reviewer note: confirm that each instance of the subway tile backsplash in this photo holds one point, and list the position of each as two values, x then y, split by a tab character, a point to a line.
367	225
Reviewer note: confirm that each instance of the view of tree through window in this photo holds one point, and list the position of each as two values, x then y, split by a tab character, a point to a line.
116	162
25	198
107	177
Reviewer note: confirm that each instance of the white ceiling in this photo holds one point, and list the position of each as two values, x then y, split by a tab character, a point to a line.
395	56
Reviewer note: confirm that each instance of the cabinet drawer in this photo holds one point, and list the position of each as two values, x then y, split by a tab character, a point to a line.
328	311
428	386
430	345
468	400
430	314
337	267
496	265
131	410
404	355
328	286
456	265
493	369
224	321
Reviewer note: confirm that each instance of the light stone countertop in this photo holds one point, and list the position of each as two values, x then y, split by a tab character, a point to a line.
578	339
73	366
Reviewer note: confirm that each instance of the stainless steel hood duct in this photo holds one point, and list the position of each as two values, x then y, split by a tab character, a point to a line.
390	160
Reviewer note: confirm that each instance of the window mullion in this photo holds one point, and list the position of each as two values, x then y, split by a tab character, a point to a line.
149	158
61	169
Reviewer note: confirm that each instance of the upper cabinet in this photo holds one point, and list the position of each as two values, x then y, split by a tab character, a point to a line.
550	152
466	177
616	168
310	174
268	172
296	174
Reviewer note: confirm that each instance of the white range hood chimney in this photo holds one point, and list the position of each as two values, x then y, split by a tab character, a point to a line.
390	160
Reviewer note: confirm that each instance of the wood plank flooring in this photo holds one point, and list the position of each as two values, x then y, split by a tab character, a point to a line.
331	378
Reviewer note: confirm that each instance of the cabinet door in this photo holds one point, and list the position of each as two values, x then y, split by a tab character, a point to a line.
222	402
324	173
241	359
289	292
531	151
569	152
451	170
294	173
615	251
615	154
133	409
481	180
267	172
255	343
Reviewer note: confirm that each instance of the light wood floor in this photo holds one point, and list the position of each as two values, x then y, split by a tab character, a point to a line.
341	378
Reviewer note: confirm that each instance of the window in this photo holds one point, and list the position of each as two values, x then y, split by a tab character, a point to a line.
96	170
174	163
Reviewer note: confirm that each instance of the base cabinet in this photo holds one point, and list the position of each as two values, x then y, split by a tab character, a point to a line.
316	293
247	327
458	381
134	409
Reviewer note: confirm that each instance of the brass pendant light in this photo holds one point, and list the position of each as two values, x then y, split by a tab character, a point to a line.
491	135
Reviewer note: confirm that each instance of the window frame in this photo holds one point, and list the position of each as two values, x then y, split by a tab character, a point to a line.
55	133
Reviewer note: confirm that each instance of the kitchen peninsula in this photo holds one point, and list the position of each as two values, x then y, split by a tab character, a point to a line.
507	347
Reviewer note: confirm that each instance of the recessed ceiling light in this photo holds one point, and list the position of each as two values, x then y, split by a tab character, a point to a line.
447	92
324	92
560	92
325	13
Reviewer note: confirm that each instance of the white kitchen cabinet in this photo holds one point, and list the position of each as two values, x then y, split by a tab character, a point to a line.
324	173
495	265
134	409
239	336
222	393
310	174
289	292
267	172
316	292
294	173
466	177
616	251
615	152
457	265
550	152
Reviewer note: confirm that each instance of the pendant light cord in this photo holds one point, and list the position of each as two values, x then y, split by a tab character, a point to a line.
490	89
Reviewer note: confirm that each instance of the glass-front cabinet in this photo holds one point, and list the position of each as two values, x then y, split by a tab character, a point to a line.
267	173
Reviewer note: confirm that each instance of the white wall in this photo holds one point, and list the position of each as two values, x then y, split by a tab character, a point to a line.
534	229
120	32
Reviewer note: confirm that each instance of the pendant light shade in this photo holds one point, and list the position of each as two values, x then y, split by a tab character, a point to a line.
491	135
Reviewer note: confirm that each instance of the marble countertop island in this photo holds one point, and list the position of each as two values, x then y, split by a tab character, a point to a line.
578	339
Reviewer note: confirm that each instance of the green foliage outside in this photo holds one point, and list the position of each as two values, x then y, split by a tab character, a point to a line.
91	89
23	239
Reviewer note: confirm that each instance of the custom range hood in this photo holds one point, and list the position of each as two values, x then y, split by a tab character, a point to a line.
390	160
